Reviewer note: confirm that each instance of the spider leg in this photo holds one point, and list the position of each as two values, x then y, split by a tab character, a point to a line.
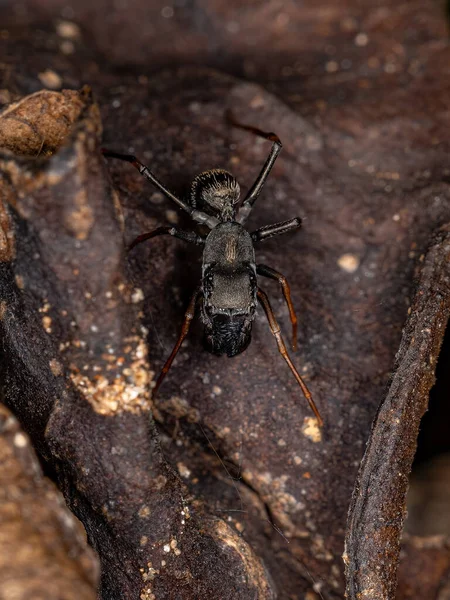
256	188
196	215
275	329
187	236
268	231
189	315
266	271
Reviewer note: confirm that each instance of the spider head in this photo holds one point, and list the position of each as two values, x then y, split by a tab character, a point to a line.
216	192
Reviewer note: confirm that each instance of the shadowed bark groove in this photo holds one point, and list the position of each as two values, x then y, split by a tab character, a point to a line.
378	506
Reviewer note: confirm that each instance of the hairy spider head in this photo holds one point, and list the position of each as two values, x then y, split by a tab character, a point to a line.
216	192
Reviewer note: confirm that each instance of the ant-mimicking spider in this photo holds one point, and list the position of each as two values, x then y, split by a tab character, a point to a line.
229	290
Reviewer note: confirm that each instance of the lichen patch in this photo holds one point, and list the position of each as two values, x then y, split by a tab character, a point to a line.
312	430
147	594
19	281
144	511
50	79
128	391
81	219
137	296
55	367
183	470
7	248
20	440
348	262
47	323
68	30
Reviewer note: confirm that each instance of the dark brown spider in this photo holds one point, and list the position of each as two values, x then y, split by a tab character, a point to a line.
229	290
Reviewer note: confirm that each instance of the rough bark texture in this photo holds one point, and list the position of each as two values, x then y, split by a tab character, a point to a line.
43	547
357	93
75	371
377	511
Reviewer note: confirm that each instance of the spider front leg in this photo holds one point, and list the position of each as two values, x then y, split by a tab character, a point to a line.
275	329
187	236
266	271
197	215
256	188
189	315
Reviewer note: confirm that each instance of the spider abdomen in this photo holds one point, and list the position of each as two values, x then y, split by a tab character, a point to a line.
229	289
228	335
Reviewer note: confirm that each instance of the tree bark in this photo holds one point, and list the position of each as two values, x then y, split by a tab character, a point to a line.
230	491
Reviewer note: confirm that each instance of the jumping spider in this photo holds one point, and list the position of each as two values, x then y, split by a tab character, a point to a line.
229	289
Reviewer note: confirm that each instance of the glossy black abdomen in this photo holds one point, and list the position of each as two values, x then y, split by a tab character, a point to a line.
227	335
229	289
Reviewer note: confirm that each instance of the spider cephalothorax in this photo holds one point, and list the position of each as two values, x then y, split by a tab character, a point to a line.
229	290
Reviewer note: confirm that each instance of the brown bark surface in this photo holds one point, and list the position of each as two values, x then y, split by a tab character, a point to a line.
233	492
43	551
